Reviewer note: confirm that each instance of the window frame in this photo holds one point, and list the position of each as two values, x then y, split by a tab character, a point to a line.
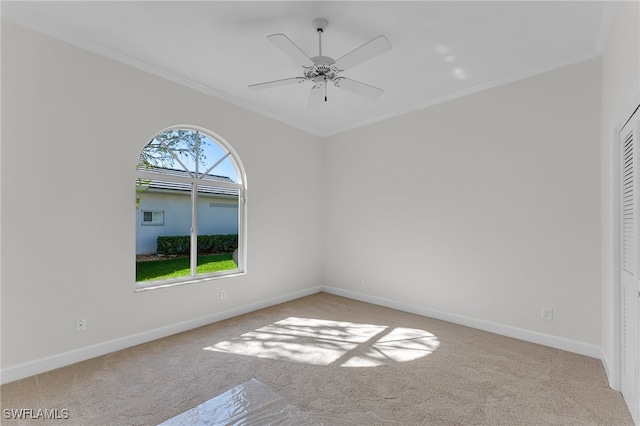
241	187
152	222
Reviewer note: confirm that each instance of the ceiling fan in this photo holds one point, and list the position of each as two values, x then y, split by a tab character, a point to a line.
321	70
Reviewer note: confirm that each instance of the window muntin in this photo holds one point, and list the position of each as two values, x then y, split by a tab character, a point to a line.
197	177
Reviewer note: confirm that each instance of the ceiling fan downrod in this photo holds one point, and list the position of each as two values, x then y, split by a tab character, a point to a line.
320	25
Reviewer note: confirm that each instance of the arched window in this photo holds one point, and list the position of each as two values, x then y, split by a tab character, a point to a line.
190	209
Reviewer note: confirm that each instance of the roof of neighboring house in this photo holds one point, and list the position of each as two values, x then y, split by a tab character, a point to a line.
205	187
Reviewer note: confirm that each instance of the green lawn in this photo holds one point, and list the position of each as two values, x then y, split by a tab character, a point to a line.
179	267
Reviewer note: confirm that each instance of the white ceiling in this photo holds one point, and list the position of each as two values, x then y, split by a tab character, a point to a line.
441	49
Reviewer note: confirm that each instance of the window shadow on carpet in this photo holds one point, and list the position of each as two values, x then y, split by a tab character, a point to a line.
326	342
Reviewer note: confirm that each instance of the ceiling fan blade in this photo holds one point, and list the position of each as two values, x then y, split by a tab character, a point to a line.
359	88
367	51
283	43
276	83
316	96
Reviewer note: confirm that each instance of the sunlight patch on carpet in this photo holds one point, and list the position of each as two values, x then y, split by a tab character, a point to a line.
325	342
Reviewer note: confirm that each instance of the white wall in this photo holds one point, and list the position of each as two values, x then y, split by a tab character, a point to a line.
485	207
620	90
73	125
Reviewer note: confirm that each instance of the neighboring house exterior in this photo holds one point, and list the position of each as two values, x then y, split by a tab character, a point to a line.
164	209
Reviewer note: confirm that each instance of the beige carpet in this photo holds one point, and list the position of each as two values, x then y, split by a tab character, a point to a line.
337	362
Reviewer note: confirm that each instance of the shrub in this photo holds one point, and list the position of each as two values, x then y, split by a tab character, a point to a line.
180	244
177	244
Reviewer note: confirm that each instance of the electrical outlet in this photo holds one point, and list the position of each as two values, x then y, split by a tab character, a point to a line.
81	325
223	294
547	314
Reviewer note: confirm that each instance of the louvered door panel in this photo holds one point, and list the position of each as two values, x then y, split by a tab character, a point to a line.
629	204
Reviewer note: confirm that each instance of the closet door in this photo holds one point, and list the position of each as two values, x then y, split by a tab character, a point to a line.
630	281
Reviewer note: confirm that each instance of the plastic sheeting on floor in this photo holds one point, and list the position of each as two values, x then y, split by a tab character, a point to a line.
251	403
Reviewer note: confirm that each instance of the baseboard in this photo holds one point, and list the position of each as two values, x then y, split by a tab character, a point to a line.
569	345
42	365
614	379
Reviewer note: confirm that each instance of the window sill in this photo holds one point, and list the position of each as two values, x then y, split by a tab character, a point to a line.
153	285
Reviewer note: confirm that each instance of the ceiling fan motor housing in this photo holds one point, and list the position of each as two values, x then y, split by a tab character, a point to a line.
323	61
323	67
